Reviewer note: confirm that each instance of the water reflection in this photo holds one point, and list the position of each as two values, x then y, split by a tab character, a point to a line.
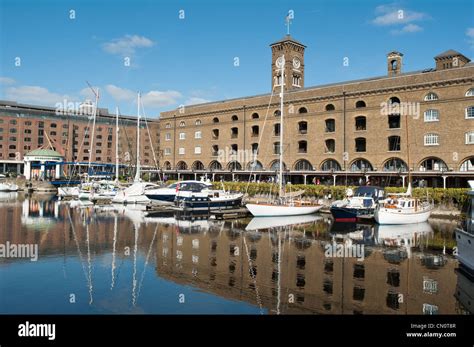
118	259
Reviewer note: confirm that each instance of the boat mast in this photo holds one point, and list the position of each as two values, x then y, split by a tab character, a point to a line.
408	155
137	174
93	132
280	178
116	144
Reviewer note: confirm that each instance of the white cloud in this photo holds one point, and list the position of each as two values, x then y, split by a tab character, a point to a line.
34	95
393	15
470	36
409	28
120	94
7	81
127	45
88	94
153	98
195	100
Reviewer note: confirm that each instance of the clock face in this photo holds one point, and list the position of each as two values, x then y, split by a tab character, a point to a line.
296	63
279	62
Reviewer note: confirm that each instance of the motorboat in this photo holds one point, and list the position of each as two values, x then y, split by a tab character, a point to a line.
258	223
198	197
167	195
362	201
8	187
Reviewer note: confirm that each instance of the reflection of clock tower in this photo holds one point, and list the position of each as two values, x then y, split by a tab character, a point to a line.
294	63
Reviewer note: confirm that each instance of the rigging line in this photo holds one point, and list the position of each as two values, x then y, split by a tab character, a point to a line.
260	139
146	261
74	166
89	264
149	136
112	283
252	275
77	243
134	275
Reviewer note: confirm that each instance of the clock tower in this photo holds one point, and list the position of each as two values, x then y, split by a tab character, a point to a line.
293	65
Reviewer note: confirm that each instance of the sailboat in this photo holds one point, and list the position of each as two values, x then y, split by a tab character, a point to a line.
285	205
404	208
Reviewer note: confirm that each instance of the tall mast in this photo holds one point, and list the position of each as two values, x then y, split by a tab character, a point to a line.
137	174
408	154
93	132
116	144
280	178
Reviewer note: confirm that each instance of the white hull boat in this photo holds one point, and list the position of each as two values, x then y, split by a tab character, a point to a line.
66	192
269	210
399	215
280	221
135	194
8	187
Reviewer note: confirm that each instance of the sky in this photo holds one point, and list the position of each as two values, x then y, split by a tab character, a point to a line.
181	52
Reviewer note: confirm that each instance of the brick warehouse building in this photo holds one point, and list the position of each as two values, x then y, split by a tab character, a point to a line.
24	128
338	132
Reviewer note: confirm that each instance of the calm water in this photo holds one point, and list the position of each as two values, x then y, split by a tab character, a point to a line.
119	259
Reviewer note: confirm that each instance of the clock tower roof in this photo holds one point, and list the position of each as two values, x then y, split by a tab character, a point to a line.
288	38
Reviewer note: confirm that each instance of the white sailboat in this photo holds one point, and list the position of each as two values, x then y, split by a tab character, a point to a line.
403	208
286	205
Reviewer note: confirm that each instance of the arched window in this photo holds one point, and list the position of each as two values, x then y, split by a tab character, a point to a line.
394	64
431	139
254	131
431	116
330	146
254	148
235	118
255	115
330	107
181	165
394	143
303	165
255	166
215	134
234	132
167	165
198	122
303	110
215	165
431	96
302	147
215	150
234	165
360	104
303	127
277	113
330	165
395	164
198	165
467	165
360	144
470	92
215	120
168	126
433	164
360	123
394	100
275	165
361	165
182	124
330	125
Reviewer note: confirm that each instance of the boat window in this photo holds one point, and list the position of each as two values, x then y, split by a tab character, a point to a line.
172	185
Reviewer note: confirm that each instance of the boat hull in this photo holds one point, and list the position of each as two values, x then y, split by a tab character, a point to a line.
348	214
8	187
465	244
396	216
263	210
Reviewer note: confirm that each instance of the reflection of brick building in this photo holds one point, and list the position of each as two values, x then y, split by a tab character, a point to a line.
25	127
336	127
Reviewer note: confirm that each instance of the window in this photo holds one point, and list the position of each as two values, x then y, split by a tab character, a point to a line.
235	118
296	80
12	147
215	150
234	133
433	164
431	116
198	135
276	129
330	107
277	113
360	104
303	110
255	115
330	125
302	147
52	133
394	143
182	136
27	139
470	112
215	120
276	148
431	140
168	126
181	151
198	122
197	150
360	144
215	134
358	293
303	165
234	148
182	124
12	130
255	131
12	138
167	151
361	165
40	125
303	127
470	138
255	148
330	146
1	130
430	309
168	137
470	92
360	123
431	97
13	122
394	121
54	125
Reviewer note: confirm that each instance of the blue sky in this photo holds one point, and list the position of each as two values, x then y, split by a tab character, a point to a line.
176	61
